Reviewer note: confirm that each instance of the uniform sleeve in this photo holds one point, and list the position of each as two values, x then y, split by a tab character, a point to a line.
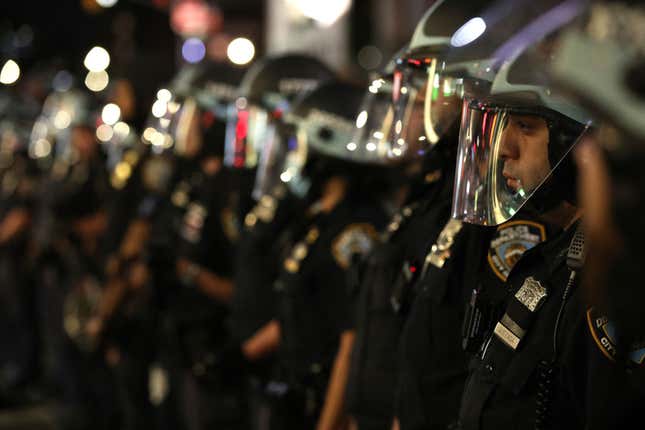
349	250
613	391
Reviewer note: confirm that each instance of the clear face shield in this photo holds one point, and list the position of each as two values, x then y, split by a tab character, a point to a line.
295	160
271	166
175	125
324	134
248	128
506	153
375	120
426	104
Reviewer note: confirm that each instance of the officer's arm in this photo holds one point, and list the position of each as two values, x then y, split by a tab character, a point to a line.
135	239
220	289
113	295
332	413
116	288
264	342
15	222
216	287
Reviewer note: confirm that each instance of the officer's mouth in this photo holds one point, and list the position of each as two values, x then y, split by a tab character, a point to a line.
511	181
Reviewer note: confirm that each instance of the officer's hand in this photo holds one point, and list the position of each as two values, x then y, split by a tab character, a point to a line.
187	271
16	221
138	275
395	424
182	266
353	425
112	266
344	424
94	327
134	240
92	226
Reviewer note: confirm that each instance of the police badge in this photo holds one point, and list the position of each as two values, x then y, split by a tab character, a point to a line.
354	239
441	250
532	294
509	244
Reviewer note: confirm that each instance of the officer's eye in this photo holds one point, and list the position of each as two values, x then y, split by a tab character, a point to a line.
527	124
524	126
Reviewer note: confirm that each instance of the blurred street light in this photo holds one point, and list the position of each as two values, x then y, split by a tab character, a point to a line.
97	59
107	3
193	50
10	72
240	51
324	12
97	81
111	114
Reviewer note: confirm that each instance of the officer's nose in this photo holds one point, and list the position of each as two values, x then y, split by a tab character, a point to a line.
509	147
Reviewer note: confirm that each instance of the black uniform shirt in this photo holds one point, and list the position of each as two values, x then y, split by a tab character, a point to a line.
457	307
314	307
615	374
259	254
385	296
516	385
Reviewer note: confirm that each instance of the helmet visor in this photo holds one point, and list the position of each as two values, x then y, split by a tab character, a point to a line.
426	105
161	127
248	127
375	120
505	154
272	161
293	171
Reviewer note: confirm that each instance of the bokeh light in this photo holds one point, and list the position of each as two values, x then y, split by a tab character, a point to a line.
97	81
107	3
325	12
240	51
193	50
111	114
10	72
97	59
104	133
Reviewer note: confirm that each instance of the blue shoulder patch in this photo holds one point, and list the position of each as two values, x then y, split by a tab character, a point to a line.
603	332
511	240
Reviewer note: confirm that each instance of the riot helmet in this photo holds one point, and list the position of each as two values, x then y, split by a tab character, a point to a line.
516	130
65	114
265	94
323	127
189	117
427	102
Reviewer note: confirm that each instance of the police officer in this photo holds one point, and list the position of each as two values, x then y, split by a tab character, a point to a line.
313	305
465	265
19	178
257	139
203	253
610	192
185	189
522	374
387	291
68	229
271	85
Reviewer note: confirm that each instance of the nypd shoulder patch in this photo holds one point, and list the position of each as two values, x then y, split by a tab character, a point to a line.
354	239
511	240
603	332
